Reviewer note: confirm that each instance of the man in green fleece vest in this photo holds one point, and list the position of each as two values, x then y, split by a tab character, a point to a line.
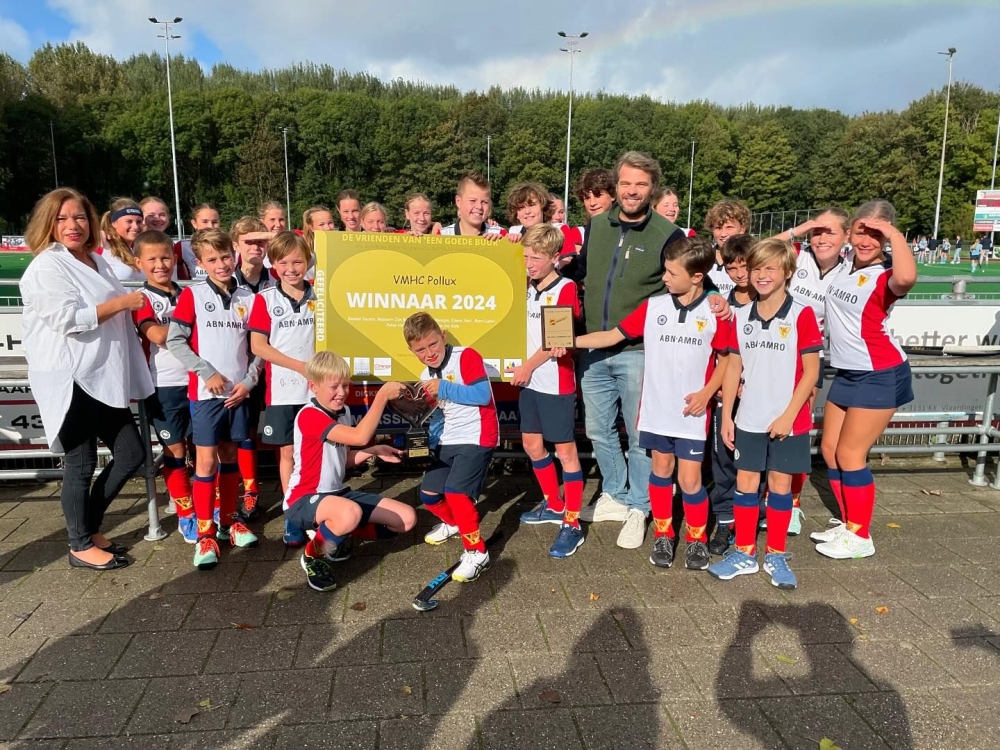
621	264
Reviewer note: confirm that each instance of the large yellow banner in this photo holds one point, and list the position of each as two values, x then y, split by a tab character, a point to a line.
367	284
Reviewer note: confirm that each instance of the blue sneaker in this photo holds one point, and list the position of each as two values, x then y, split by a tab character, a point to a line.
795	522
567	541
736	563
188	526
776	566
293	537
541	514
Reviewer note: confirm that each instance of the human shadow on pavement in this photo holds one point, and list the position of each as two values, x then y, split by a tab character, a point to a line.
816	708
604	700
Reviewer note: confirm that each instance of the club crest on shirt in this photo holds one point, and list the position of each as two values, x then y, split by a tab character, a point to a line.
549	299
241	310
662	320
450	377
862	279
311	305
210	306
784	330
701	324
158	306
802	273
278	312
748	329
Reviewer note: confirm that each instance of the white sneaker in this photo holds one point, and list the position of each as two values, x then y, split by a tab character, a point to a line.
831	534
440	534
633	531
847	546
473	563
605	508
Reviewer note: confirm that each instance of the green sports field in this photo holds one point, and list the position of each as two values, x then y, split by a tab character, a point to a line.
946	271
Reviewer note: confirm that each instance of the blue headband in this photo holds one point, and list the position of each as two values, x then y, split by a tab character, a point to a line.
127	211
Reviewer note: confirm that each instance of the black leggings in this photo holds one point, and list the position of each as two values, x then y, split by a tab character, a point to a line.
87	421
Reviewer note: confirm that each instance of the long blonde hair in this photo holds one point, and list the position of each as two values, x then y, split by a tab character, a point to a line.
41	227
307	221
113	242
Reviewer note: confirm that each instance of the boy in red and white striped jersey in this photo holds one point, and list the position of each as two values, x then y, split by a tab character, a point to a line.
456	378
547	402
325	445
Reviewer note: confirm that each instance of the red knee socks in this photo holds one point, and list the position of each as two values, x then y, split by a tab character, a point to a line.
178	481
661	502
229	483
798	482
467	520
246	459
746	510
203	494
779	514
838	491
859	500
548	480
696	515
573	488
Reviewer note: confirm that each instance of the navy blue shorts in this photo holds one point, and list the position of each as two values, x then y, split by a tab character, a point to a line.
279	424
302	512
212	423
757	451
682	448
878	389
458	468
549	415
169	410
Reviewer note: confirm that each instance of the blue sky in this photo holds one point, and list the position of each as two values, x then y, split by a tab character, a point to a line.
842	54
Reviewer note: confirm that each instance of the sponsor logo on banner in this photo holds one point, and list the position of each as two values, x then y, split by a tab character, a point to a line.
383	367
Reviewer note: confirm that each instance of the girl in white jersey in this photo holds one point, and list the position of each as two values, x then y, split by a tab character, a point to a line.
120	226
873	377
816	267
204	217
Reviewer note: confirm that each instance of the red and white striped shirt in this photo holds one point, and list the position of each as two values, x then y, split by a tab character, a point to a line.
858	302
320	465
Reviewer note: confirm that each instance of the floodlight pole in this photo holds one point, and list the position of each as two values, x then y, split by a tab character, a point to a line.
572	43
167	36
944	140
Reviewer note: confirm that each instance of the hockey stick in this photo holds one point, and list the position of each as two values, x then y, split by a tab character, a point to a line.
423	602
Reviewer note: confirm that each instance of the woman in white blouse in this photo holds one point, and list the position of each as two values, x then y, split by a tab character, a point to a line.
85	364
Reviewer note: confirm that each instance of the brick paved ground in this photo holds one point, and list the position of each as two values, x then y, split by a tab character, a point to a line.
598	651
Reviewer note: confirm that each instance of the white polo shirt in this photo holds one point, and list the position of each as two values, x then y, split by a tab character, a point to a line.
464	424
320	465
857	309
218	323
721	279
157	309
680	345
556	377
289	326
771	352
809	285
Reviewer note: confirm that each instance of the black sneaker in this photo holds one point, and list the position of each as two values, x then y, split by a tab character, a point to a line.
721	539
343	551
319	574
696	556
249	507
663	552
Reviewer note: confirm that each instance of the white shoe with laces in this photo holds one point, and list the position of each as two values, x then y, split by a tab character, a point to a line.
605	508
831	534
440	534
633	532
847	546
473	563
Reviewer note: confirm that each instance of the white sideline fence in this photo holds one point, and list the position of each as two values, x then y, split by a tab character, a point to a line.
966	411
